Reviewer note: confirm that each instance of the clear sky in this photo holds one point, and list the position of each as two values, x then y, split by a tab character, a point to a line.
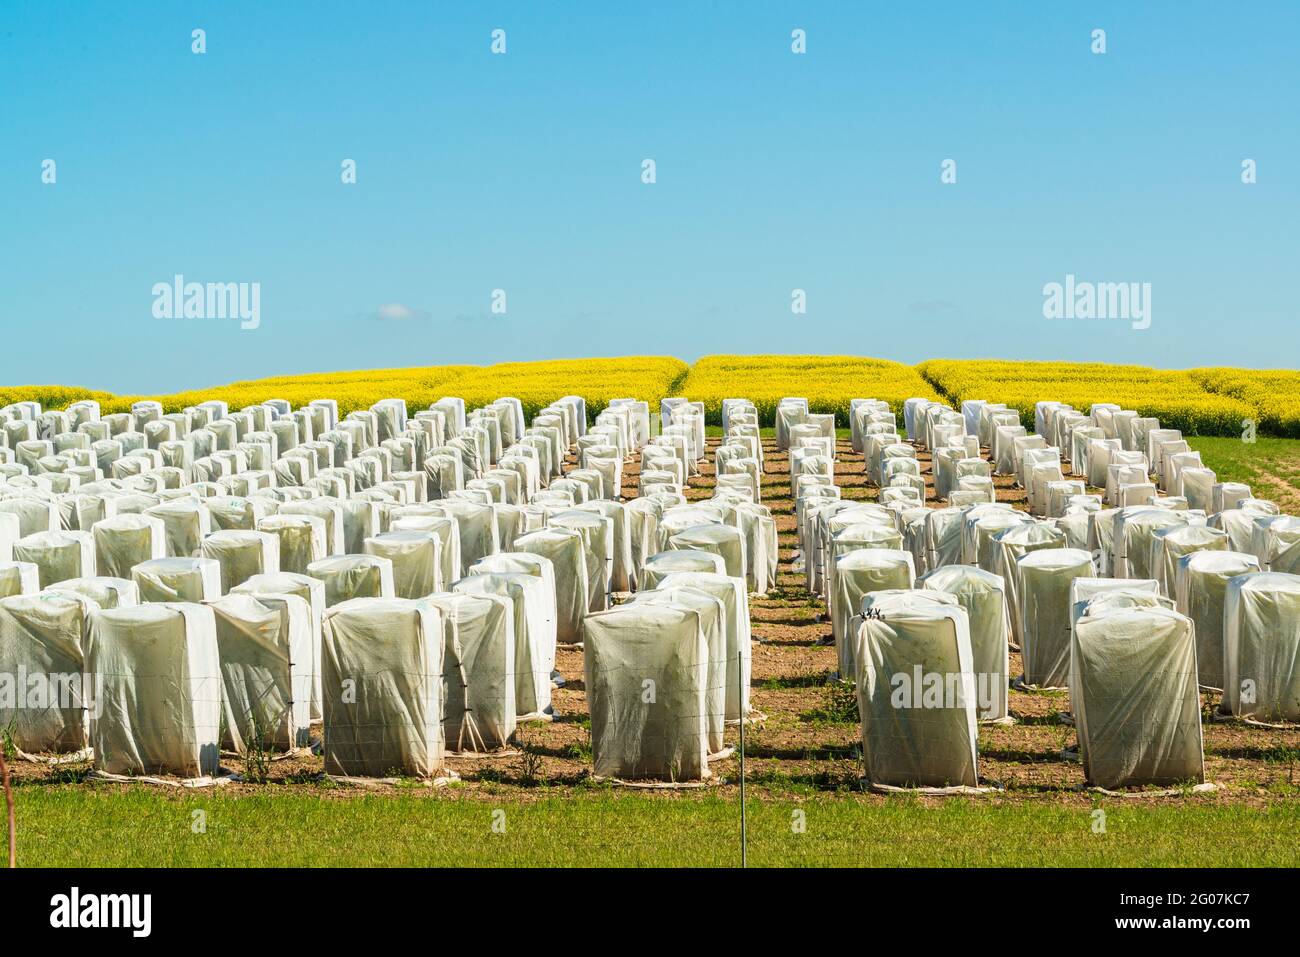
523	172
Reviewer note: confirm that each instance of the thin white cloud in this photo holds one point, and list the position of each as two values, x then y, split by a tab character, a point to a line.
399	312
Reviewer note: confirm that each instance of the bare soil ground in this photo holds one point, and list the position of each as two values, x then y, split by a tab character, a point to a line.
803	746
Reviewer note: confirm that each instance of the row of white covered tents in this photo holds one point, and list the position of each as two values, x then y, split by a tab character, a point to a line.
1132	598
216	579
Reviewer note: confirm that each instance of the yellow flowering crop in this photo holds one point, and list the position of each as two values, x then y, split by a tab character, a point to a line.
828	382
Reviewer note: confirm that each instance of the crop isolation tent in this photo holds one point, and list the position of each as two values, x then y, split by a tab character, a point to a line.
124	541
478	671
1201	587
534	635
57	556
310	590
1045	578
242	554
353	576
178	579
646	670
1261	655
104	591
416	558
302	540
1134	696
41	661
731	592
159	683
265	647
565	551
859	573
661	565
983	595
916	691
382	676
712	620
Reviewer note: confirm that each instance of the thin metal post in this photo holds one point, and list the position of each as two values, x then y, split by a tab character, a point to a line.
740	680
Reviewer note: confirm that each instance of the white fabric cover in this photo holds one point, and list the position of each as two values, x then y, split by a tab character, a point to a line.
859	573
983	595
186	523
1044	578
104	591
43	635
1261	655
264	644
124	541
242	554
565	550
160	689
662	564
534	635
178	579
416	558
353	576
1201	588
382	673
478	670
713	623
1135	699
302	540
19	578
57	556
720	539
1170	545
646	671
911	735
310	590
735	601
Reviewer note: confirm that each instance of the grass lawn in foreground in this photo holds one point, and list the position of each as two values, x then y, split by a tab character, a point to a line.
101	827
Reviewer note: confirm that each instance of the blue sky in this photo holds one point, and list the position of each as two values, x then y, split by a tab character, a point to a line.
522	172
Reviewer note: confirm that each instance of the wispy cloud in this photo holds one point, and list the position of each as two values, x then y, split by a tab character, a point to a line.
399	312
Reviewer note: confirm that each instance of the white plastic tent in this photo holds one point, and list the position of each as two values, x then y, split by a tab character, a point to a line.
178	579
1261	657
1201	587
242	554
1135	700
916	693
712	621
478	671
534	635
382	677
159	682
1044	579
857	574
565	550
416	559
983	595
44	705
646	671
124	541
353	576
264	644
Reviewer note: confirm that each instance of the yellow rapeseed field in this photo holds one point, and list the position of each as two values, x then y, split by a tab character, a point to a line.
1177	398
1209	401
828	383
535	384
1274	394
